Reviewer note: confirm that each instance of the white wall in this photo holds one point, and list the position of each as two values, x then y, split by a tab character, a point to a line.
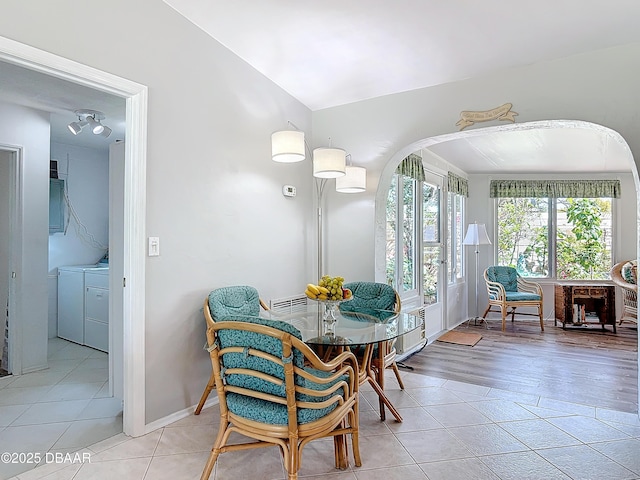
214	197
86	175
29	129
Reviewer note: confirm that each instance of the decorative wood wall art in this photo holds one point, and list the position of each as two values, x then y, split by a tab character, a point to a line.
503	112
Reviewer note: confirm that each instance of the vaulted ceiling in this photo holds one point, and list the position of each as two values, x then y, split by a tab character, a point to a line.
334	52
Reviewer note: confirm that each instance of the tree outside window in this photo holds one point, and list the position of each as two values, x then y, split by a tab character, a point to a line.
578	230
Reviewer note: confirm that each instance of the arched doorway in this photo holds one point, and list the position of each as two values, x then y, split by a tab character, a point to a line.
633	251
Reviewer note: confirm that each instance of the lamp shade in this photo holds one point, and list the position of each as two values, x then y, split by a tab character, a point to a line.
476	235
329	162
287	146
354	180
96	127
76	127
106	131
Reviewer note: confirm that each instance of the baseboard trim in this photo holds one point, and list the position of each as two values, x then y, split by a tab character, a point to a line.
179	415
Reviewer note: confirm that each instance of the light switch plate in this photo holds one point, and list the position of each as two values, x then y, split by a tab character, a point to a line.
154	246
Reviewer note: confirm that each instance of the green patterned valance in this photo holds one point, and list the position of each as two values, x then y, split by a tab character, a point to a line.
412	167
457	184
554	188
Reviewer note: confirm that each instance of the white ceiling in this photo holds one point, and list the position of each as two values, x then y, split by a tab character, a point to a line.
334	52
61	98
331	52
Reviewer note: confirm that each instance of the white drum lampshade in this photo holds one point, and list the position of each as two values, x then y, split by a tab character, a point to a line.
287	146
354	181
329	162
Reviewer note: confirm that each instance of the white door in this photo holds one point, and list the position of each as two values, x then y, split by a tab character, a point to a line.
433	253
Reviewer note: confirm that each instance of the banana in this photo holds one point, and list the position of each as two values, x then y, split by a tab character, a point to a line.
310	294
322	296
313	289
323	290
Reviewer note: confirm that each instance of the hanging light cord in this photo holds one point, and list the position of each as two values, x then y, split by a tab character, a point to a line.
81	229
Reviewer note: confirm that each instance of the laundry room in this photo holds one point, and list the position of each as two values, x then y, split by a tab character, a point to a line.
55	179
78	245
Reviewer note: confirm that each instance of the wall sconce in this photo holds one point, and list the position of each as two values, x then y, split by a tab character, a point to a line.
92	118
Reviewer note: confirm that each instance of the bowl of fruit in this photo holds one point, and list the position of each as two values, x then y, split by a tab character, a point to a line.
330	292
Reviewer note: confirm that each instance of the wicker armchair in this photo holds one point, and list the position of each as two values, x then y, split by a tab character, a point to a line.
625	275
507	289
275	390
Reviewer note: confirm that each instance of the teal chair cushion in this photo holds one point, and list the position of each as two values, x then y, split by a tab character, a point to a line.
269	412
629	270
521	296
234	301
262	410
368	299
265	343
507	276
369	295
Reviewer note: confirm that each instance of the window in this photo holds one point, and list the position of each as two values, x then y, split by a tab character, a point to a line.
416	231
430	241
454	235
564	237
401	233
413	231
458	189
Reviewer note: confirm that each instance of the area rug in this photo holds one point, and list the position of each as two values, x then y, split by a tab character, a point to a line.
460	338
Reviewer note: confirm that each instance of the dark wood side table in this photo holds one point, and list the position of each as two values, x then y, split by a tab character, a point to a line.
598	300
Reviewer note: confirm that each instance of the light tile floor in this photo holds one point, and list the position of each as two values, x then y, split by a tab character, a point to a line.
451	431
58	410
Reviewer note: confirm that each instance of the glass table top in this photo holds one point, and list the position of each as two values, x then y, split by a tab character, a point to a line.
353	327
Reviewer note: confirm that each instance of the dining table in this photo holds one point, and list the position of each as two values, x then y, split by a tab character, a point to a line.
331	327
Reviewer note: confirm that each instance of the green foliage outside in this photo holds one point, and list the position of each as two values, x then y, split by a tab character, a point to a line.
582	243
408	219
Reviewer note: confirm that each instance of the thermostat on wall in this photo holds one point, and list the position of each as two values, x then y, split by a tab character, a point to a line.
289	191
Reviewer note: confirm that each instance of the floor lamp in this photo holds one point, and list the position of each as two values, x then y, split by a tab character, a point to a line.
288	146
476	235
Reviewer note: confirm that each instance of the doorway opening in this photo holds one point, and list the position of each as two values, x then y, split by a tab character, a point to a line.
127	246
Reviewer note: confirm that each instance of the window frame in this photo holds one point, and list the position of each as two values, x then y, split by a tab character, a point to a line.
455	237
552	235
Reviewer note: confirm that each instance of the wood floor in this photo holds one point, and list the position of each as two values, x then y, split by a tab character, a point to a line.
583	365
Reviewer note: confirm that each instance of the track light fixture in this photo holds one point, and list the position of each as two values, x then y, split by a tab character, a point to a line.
93	119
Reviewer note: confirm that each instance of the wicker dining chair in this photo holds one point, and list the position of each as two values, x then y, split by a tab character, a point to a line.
237	301
377	296
275	390
625	275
